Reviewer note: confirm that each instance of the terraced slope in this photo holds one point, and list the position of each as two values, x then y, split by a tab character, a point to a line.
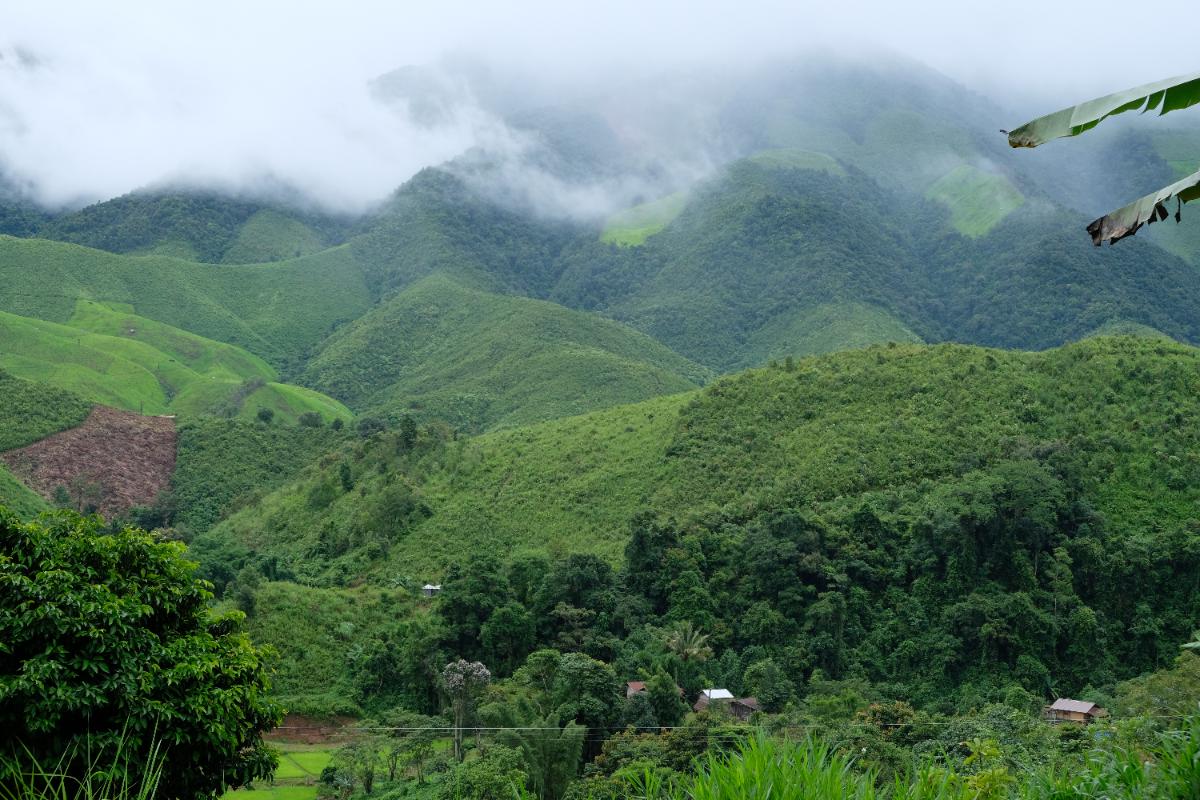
112	356
277	311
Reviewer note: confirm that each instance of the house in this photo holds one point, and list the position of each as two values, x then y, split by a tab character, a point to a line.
740	707
1066	710
712	696
743	707
431	589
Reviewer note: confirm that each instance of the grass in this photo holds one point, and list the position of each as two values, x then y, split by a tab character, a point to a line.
222	464
254	307
633	226
18	498
977	200
797	158
825	329
109	355
271	236
481	360
278	792
32	411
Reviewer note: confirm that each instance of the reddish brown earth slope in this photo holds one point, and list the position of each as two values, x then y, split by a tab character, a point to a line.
114	460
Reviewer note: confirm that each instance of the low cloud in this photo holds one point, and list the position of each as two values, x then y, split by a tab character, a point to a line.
100	99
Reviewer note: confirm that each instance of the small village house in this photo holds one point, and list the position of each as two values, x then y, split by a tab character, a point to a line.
431	589
739	707
1066	710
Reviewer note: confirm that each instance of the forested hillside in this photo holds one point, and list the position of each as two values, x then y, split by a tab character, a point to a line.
858	513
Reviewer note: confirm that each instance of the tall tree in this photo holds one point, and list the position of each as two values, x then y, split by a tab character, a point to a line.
463	681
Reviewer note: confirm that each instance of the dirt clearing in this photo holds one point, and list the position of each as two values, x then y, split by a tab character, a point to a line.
113	461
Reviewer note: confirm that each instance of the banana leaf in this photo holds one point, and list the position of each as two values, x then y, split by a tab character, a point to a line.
1169	95
1152	208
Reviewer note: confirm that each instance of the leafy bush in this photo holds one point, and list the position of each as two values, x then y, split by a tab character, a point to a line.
108	643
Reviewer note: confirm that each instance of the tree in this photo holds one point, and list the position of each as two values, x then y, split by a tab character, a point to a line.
265	415
666	699
107	642
1164	96
508	636
361	759
1195	643
550	754
409	741
407	438
463	681
688	643
309	419
766	681
496	775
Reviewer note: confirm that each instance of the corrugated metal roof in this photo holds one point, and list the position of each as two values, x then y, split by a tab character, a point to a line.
1077	706
718	694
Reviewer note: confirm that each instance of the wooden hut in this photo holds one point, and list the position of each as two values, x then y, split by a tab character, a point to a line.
1065	709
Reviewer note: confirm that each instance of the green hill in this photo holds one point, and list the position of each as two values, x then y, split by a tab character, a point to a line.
833	430
197	225
481	360
223	464
114	357
253	306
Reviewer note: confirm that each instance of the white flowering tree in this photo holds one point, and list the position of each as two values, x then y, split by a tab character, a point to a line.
463	681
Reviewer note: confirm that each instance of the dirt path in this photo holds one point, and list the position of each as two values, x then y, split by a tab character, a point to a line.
113	461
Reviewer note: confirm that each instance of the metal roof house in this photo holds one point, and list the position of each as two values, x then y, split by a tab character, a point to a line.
431	589
1067	710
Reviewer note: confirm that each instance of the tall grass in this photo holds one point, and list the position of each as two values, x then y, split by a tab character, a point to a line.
80	774
763	768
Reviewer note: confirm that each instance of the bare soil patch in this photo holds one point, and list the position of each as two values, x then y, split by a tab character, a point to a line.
113	461
299	729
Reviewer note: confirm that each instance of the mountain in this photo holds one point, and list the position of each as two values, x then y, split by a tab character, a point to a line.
205	226
475	359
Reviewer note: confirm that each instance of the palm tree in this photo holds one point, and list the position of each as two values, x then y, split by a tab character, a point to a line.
688	643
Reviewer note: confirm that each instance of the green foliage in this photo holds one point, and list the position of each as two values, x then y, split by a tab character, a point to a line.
114	357
633	226
113	774
223	464
253	306
33	411
945	521
109	643
480	360
497	774
200	226
977	200
17	498
769	684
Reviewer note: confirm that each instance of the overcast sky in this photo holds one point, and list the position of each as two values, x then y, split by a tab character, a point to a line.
126	94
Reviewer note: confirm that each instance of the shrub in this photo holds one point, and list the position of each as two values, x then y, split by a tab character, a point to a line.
107	641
